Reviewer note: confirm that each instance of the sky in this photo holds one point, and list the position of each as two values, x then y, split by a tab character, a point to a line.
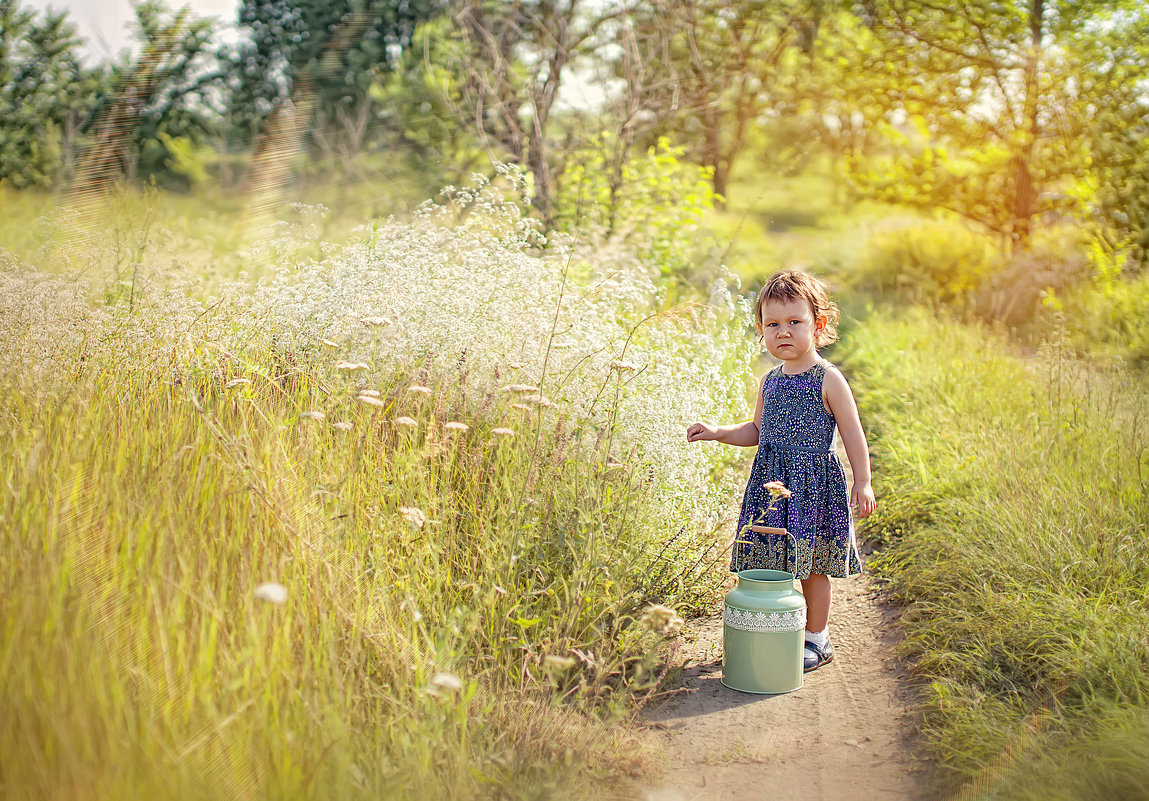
103	24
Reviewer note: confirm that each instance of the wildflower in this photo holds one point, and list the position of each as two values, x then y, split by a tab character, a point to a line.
415	516
409	604
559	662
329	343
503	432
539	399
371	400
236	382
376	321
613	465
419	389
370	393
518	388
342	425
522	407
499	589
405	421
625	366
445	683
350	366
455	426
777	489
312	416
661	619
271	592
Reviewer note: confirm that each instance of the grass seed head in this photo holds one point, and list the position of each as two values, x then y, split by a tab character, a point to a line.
445	683
236	382
413	515
559	662
661	620
271	592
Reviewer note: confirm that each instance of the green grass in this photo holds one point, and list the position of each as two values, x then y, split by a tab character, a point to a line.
1012	498
146	498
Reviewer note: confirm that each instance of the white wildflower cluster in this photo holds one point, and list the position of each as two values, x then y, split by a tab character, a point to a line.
482	295
53	327
661	620
562	328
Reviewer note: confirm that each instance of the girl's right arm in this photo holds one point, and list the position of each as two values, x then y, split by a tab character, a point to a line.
734	434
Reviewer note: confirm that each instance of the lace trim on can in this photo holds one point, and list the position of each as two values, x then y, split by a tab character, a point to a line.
764	621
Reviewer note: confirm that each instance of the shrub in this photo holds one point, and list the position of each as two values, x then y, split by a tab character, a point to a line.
927	262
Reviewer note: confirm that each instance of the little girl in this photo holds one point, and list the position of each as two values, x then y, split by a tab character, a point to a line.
799	404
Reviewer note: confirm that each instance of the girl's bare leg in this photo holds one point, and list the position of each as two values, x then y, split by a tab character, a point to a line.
817	592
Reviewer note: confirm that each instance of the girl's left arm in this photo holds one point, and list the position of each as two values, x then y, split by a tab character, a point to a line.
840	401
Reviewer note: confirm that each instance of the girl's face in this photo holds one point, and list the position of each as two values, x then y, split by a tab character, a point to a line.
788	327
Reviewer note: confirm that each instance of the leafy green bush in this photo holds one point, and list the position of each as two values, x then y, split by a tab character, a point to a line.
1114	312
653	202
928	262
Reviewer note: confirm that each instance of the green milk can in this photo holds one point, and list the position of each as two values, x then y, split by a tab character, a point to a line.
763	634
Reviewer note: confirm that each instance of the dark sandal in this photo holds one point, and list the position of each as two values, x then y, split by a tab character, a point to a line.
824	654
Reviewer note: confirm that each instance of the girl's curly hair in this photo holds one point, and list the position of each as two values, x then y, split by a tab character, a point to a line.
787	285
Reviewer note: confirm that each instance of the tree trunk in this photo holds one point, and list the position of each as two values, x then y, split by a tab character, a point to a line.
1024	191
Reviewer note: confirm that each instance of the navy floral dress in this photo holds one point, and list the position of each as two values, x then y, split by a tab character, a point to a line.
796	447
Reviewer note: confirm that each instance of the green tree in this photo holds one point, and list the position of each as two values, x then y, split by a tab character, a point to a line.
159	106
984	107
46	95
728	64
322	56
1113	65
511	60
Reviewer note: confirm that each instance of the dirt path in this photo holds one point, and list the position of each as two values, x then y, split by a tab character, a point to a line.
849	733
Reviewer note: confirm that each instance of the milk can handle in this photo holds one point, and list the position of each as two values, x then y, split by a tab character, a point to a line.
793	552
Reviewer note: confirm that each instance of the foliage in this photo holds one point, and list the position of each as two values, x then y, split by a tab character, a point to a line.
926	261
462	603
983	111
46	94
1112	317
1012	493
334	51
655	207
1117	123
171	85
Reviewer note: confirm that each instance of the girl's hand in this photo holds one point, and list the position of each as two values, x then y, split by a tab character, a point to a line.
862	499
701	431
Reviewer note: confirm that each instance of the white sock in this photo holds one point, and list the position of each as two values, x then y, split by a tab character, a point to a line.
820	638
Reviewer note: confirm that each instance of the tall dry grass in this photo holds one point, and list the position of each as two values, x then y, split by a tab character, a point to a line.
1013	501
461	521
